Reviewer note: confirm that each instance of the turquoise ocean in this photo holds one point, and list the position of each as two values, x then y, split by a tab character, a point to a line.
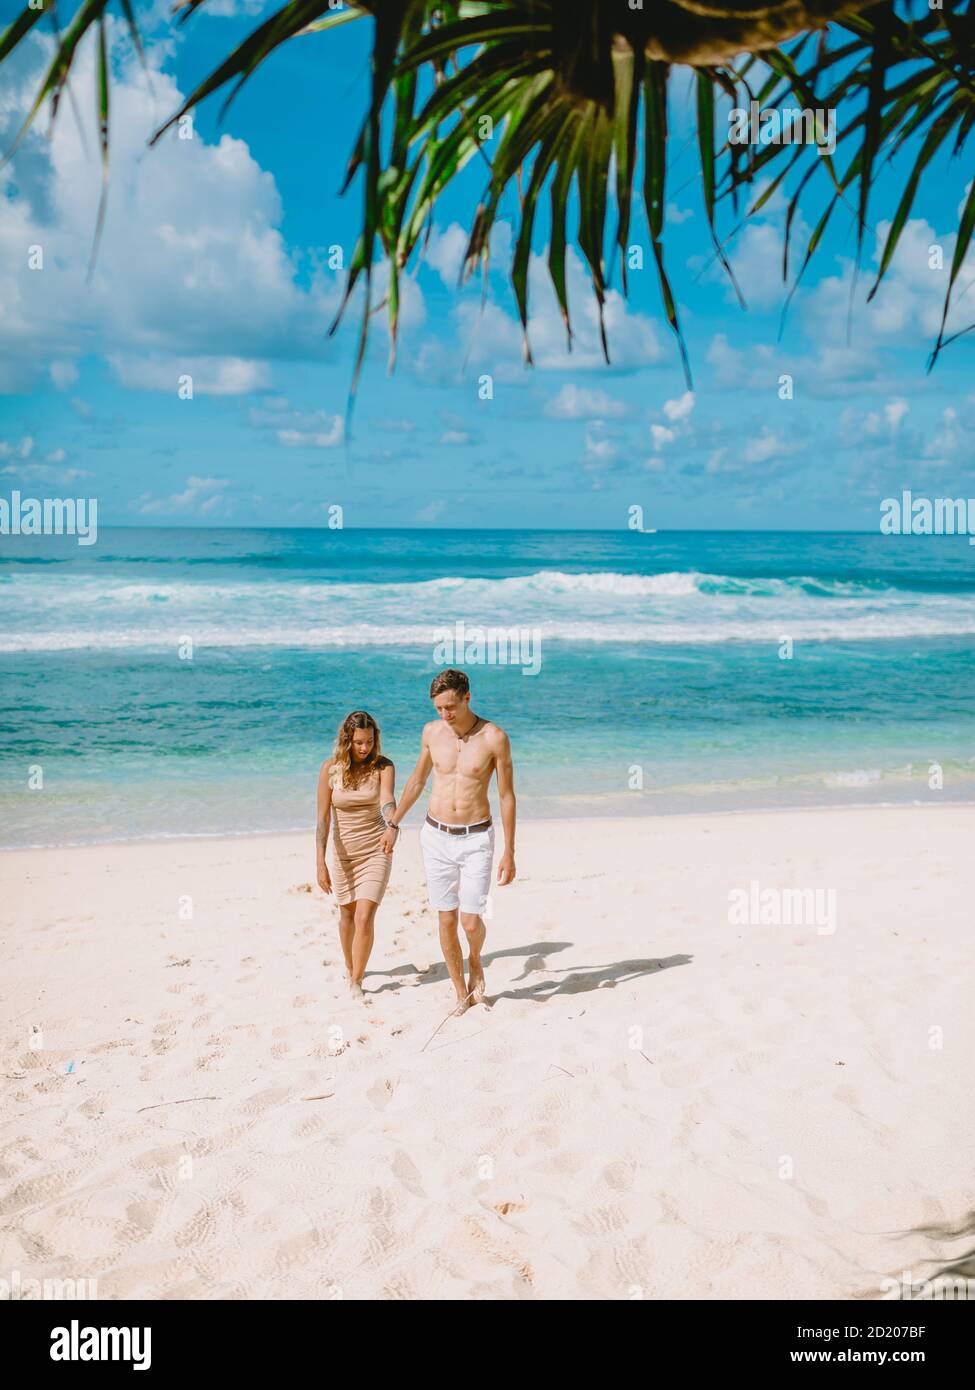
663	684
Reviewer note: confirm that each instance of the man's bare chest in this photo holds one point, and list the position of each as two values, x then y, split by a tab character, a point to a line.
463	760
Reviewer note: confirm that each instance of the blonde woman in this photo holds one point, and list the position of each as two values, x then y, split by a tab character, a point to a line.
356	783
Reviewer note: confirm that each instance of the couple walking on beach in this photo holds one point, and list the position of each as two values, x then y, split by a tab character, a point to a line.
356	801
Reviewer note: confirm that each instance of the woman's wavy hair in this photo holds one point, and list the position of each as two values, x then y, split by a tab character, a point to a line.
347	773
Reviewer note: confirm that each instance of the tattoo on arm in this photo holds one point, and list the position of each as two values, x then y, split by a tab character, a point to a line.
321	833
387	810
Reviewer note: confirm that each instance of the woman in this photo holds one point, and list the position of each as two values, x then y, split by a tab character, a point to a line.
357	782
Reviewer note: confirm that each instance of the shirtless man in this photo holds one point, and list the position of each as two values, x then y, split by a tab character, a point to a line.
457	839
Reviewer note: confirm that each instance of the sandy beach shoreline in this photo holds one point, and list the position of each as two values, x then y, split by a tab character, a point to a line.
658	1101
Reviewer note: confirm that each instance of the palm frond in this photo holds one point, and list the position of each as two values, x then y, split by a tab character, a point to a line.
568	90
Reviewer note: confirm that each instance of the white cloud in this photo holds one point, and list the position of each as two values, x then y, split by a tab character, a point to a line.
766	445
601	450
755	255
56	456
583	403
444	253
756	260
188	225
430	512
881	429
455	437
232	9
326	432
895	412
909	303
22	449
492	338
212	376
715	463
681	408
43	473
201	495
63	374
837	371
947	442
401	426
661	435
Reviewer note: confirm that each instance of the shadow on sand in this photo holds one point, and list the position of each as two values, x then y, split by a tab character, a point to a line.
573	980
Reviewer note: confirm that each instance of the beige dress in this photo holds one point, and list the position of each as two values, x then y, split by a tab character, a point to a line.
358	867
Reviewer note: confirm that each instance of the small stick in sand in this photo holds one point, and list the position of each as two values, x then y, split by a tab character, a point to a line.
449	1016
185	1101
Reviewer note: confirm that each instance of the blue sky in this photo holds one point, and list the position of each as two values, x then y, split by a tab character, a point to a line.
214	262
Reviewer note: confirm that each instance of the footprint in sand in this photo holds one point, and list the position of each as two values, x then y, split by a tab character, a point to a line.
381	1093
409	1174
619	1175
264	1100
201	1226
603	1221
208	1060
36	1190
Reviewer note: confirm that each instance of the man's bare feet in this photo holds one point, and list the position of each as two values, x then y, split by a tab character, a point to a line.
476	983
356	990
463	1004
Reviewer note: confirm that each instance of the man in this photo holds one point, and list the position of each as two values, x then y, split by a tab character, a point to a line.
457	838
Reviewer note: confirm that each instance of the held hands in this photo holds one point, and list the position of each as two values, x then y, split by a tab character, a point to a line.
324	879
388	843
506	869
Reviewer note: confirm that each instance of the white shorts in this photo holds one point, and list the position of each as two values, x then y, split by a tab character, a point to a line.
458	868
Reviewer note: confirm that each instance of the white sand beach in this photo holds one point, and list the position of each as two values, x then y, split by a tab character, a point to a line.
653	1103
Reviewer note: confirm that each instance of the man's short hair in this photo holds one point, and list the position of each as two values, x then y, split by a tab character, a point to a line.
449	680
